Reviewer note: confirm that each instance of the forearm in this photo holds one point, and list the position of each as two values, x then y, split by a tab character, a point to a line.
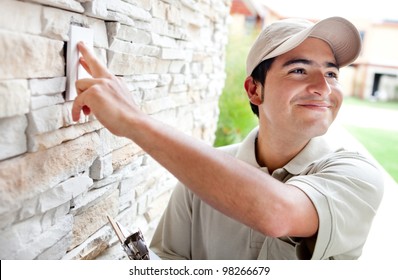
227	184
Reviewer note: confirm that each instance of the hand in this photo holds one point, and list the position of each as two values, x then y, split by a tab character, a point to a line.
104	95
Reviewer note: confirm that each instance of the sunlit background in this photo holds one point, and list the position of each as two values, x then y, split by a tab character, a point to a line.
368	10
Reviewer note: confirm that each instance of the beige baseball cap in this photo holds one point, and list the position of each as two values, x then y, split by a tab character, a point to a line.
284	35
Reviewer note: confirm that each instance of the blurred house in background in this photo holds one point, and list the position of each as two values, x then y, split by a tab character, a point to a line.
247	15
377	75
374	75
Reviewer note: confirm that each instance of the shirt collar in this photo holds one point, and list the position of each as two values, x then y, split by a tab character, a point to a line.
247	149
316	148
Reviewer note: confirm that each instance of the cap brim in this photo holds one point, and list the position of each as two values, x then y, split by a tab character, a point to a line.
339	33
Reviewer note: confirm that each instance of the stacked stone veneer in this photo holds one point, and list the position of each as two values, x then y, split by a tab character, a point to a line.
59	179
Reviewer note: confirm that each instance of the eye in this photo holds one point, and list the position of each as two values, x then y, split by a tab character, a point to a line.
332	74
297	71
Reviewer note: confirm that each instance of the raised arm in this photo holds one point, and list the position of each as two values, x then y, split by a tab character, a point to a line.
233	187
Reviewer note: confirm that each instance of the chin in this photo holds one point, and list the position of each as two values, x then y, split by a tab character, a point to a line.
317	129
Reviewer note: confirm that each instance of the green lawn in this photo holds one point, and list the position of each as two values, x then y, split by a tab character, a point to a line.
382	144
236	118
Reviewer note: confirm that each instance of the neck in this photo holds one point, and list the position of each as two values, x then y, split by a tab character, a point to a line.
275	152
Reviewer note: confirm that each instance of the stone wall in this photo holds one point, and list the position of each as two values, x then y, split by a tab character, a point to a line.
59	179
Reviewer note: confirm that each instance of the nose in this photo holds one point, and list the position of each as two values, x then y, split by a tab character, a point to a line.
319	85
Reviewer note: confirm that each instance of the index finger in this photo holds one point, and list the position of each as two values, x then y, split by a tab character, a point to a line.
96	69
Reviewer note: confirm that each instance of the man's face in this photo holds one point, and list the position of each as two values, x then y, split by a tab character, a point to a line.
301	91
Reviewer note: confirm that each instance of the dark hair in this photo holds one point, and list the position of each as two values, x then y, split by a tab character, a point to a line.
259	74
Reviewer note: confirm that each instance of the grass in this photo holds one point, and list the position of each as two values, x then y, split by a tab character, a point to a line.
381	144
236	119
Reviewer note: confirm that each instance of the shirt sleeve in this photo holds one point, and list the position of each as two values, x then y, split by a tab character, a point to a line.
346	191
172	237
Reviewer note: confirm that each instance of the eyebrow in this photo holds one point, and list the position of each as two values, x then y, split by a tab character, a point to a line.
308	62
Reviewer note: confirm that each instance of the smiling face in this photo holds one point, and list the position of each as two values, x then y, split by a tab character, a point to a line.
301	94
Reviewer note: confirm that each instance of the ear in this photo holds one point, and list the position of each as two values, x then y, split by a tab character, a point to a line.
253	90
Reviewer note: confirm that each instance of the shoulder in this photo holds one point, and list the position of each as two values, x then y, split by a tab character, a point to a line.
343	177
351	165
345	187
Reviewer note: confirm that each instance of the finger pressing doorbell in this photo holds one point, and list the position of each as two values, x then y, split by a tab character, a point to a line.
74	70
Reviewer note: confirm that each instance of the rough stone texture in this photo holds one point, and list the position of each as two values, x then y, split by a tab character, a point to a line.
89	221
28	56
14	98
12	137
13	17
59	179
29	175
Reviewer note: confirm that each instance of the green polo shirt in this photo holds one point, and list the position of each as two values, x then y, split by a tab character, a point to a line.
345	187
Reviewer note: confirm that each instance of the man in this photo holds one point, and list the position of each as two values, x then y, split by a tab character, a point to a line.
280	194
